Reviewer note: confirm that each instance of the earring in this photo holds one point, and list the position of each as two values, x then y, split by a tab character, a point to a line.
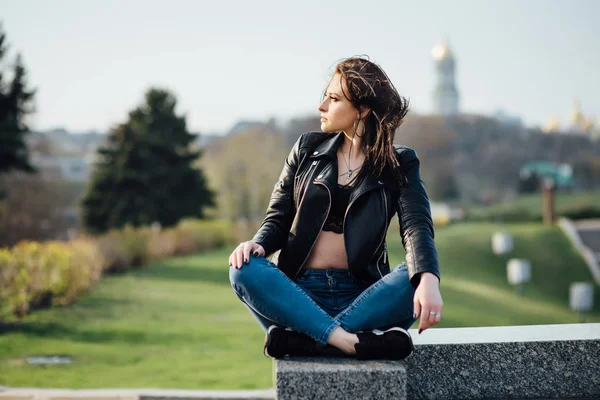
355	128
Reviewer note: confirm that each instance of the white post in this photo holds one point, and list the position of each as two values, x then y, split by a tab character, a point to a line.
519	272
581	298
502	244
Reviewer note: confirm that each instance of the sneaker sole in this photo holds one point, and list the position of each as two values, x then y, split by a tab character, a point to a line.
396	328
268	341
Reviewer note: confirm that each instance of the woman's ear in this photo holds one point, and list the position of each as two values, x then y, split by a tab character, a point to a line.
364	111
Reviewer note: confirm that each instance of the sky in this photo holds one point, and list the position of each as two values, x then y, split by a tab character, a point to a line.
92	61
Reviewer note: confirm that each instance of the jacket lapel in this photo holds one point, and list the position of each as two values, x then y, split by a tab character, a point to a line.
327	151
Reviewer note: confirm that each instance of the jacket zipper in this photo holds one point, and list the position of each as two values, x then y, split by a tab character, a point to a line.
385	253
325	219
384	232
348	209
344	226
312	167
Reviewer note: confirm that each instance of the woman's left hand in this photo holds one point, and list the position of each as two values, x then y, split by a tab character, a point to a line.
428	301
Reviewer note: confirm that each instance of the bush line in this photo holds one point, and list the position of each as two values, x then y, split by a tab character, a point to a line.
37	275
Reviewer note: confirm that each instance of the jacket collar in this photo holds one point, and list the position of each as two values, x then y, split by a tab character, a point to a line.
329	146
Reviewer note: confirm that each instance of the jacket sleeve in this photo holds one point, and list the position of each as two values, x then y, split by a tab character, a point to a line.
416	224
272	234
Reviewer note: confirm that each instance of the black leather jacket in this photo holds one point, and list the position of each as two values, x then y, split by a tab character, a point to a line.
301	200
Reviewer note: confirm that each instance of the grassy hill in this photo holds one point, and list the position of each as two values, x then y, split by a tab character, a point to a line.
529	207
178	324
474	281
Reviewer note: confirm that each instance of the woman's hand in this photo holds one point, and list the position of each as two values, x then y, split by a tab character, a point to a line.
241	254
428	301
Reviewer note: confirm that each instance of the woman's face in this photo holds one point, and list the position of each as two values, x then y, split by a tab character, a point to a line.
337	113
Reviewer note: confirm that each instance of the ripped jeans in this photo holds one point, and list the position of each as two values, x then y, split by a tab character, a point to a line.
321	300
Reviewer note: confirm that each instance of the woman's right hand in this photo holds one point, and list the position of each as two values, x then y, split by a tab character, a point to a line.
241	254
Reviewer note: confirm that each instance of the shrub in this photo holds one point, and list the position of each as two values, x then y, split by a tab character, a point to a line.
112	251
162	243
13	286
35	275
84	269
585	212
41	264
194	235
135	242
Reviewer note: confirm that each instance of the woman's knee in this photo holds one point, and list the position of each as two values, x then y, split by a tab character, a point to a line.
399	275
398	278
248	274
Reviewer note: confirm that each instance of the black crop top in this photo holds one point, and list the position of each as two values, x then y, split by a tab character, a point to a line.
339	203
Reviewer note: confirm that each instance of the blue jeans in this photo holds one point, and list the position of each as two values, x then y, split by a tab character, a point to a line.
321	300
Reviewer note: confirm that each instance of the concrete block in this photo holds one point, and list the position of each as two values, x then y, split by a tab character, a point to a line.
512	362
339	378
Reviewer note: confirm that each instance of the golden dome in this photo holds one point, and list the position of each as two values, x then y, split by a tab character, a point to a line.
577	116
552	125
441	51
579	122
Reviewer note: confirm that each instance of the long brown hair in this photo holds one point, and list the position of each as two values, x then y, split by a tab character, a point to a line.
369	86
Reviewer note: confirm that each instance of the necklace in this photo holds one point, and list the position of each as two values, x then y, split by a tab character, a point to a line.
350	170
349	173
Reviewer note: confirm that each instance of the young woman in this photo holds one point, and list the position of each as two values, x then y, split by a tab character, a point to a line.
329	288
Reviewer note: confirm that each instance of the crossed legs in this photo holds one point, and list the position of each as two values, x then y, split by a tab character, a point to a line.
274	299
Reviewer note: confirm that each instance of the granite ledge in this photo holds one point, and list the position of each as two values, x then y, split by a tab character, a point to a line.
339	378
508	362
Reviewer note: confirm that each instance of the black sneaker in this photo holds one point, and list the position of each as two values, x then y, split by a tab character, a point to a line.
392	344
280	342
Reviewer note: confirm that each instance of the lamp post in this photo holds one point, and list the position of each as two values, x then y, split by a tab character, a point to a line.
581	298
519	273
548	190
502	244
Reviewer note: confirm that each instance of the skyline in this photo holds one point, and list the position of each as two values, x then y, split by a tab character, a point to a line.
238	61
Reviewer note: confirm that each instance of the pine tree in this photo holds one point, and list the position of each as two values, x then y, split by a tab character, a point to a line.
145	171
15	103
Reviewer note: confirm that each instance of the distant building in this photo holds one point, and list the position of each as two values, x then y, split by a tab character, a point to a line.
578	124
552	125
70	168
203	140
510	120
59	154
445	94
244	126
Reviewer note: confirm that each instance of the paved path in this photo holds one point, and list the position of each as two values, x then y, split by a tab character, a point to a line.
133	394
589	232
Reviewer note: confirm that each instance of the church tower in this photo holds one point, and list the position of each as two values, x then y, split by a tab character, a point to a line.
445	95
578	123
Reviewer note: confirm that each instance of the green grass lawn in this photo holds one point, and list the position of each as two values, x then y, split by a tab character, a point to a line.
530	207
178	324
